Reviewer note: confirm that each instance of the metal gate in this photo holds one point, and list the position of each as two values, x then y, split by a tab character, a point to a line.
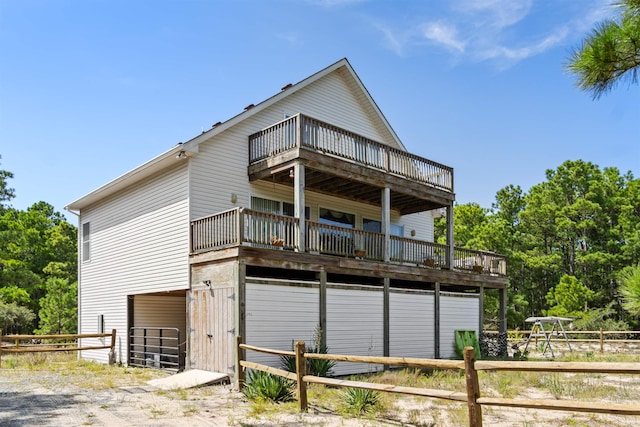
152	347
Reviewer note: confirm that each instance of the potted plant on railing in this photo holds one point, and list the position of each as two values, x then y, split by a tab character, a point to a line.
276	241
429	262
478	268
360	253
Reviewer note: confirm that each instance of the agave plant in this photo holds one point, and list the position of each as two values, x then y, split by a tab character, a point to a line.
263	386
359	401
317	367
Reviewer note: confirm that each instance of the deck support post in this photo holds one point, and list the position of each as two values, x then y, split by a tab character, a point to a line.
385	313
503	311
239	315
386	222
436	321
298	198
323	307
480	310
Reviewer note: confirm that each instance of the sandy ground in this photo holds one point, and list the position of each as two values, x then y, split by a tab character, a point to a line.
44	398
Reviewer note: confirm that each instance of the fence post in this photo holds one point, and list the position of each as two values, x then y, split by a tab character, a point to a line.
473	388
301	371
0	348
112	352
240	373
601	341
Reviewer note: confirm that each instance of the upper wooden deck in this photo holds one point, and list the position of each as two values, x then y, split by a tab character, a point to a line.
344	164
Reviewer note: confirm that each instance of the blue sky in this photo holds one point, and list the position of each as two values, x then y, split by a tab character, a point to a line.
90	89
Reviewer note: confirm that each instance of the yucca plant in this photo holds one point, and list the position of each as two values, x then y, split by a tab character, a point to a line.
317	367
358	401
263	386
466	339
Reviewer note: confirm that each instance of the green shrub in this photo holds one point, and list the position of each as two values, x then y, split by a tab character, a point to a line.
317	367
466	339
263	386
359	401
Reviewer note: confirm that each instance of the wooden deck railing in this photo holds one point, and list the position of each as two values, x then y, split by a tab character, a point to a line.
304	132
470	365
241	226
51	343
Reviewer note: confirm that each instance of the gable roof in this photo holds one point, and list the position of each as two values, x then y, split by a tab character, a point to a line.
168	158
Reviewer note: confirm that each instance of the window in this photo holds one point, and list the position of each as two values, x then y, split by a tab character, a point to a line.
276	207
376	227
336	241
86	241
340	219
395	230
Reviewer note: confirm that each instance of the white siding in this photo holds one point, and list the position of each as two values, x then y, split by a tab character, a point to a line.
279	315
139	244
457	312
355	325
411	324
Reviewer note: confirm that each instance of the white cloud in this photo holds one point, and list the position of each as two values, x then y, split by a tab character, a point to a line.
443	34
396	42
291	38
504	31
495	13
523	52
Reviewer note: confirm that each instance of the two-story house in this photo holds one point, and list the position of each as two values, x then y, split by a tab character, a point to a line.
303	213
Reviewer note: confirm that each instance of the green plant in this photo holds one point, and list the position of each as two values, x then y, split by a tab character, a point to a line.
359	401
317	367
466	339
263	386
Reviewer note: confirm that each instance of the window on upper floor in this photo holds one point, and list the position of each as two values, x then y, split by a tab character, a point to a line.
86	241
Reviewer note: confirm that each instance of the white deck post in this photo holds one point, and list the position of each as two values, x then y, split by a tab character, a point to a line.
298	195
386	222
450	251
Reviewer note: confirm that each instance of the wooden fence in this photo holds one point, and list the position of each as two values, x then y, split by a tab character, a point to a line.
48	343
471	367
600	337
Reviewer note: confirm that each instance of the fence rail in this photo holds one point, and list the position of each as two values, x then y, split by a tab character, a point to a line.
594	337
470	365
60	342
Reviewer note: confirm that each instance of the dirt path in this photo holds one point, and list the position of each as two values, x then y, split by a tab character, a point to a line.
70	398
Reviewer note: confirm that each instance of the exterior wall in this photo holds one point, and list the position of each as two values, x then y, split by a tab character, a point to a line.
278	315
355	325
457	312
411	324
139	244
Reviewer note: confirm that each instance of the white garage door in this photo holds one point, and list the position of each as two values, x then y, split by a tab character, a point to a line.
411	324
278	315
457	312
355	325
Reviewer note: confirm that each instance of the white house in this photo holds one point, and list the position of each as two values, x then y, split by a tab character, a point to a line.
304	212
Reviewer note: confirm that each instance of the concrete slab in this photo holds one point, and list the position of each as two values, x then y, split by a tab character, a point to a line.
188	379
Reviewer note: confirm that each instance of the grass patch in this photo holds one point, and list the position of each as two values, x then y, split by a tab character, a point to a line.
357	401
